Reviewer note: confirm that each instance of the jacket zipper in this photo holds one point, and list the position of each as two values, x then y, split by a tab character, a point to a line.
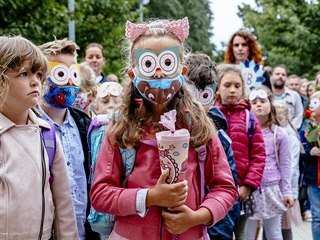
43	184
160	235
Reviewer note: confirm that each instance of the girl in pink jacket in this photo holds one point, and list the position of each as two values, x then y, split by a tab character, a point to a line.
145	206
249	151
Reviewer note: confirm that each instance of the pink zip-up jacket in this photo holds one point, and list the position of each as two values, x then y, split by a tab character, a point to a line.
109	195
250	156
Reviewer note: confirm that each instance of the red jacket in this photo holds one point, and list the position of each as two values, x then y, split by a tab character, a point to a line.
109	195
250	157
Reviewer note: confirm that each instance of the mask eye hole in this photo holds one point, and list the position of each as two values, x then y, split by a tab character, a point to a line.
75	75
168	62
59	75
147	64
206	96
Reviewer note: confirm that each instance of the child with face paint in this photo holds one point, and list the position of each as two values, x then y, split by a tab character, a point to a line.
59	93
144	205
274	195
249	154
203	77
31	206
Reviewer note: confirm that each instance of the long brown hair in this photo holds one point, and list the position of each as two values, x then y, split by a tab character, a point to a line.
254	48
136	112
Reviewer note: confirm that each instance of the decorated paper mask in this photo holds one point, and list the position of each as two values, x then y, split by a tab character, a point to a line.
253	75
63	84
314	103
166	63
260	93
206	95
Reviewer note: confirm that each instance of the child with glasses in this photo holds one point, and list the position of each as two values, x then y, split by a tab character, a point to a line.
249	153
274	194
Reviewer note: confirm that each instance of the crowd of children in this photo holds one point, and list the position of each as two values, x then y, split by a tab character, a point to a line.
98	175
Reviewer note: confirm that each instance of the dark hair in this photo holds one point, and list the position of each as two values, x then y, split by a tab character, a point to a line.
201	70
253	46
280	66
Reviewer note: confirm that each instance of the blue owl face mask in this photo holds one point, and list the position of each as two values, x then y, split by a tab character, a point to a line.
63	84
153	86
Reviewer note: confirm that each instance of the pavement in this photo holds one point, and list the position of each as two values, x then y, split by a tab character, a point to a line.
302	232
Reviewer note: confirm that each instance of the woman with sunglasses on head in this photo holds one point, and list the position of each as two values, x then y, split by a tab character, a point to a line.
274	195
249	151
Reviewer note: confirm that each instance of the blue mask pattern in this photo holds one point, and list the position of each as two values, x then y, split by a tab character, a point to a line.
60	96
158	91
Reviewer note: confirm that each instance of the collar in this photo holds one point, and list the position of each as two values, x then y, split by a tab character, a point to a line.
48	119
6	123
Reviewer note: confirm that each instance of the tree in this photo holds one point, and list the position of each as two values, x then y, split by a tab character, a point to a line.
101	21
288	32
200	17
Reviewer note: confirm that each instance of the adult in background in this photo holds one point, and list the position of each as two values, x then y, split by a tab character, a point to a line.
93	54
292	98
244	46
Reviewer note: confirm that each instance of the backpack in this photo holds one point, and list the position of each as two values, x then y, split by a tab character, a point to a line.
250	124
103	223
49	142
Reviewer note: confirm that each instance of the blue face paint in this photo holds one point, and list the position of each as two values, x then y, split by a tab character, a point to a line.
158	91
60	96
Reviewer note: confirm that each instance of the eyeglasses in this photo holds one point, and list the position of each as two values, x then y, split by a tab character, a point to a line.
257	94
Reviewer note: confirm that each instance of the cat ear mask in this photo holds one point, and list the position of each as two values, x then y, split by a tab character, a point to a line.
179	28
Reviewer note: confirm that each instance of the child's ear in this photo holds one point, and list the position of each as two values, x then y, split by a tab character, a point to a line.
184	70
131	74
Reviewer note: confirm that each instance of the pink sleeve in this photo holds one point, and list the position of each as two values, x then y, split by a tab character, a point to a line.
222	191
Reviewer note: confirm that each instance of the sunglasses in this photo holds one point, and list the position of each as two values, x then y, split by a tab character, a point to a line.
254	94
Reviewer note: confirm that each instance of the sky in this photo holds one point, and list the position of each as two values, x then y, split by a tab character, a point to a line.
226	20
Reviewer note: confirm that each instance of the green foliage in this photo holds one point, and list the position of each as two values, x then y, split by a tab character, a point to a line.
38	21
288	32
200	17
104	22
101	21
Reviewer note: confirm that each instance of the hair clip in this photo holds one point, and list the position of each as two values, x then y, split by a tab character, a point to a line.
179	28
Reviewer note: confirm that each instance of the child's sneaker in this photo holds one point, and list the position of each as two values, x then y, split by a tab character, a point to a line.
307	216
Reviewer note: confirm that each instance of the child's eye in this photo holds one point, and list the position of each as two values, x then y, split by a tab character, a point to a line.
39	75
23	74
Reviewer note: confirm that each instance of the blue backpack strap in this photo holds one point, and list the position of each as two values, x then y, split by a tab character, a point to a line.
50	144
128	156
251	124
